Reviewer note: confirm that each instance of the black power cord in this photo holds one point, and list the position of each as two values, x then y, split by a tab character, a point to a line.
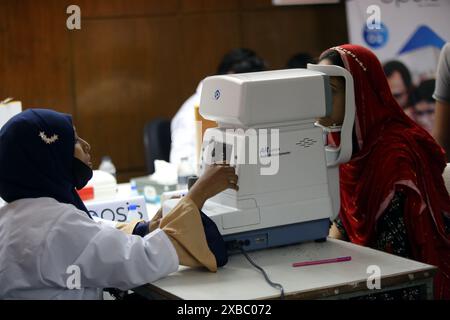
272	284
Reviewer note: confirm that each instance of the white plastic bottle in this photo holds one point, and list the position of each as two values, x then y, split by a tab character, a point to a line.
133	213
185	170
134	190
107	166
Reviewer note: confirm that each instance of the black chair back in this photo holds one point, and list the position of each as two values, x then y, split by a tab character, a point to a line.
157	142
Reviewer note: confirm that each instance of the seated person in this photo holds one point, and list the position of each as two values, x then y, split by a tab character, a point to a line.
239	60
393	196
46	230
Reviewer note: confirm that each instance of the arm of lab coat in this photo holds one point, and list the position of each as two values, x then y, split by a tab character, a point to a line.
105	256
137	227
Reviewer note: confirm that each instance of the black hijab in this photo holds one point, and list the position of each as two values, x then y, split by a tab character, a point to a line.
37	158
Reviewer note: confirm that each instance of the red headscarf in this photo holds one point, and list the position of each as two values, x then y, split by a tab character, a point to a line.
394	154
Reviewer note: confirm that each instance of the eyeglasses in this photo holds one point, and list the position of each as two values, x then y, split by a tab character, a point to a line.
398	95
425	112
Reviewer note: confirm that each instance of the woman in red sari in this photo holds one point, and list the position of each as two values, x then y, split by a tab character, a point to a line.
393	196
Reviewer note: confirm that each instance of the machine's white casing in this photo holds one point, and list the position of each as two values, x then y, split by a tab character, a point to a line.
264	98
306	185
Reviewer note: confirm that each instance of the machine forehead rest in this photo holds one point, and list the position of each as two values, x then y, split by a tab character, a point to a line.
260	98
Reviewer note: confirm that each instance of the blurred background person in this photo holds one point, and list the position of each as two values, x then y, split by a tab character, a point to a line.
441	94
400	83
239	60
300	60
425	104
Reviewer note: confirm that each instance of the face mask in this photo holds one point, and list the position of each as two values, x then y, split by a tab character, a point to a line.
82	173
331	135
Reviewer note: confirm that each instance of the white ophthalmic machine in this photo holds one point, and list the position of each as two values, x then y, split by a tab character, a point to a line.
291	192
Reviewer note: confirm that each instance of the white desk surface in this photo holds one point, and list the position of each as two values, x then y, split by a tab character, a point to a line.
239	280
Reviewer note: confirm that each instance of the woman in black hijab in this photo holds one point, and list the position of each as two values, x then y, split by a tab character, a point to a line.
49	245
37	158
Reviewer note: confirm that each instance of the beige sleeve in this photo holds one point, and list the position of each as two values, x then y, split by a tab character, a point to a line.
184	227
127	227
156	220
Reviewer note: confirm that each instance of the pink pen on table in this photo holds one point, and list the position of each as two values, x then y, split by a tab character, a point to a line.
316	262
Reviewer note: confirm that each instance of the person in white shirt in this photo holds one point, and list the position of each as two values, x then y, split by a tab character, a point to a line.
441	130
182	127
50	248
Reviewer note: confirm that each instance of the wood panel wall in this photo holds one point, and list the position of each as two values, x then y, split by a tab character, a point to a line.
134	60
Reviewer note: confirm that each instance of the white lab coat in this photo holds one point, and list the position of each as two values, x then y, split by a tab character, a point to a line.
183	131
41	238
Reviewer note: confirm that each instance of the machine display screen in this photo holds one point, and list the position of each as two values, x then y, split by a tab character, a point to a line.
217	152
221	152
